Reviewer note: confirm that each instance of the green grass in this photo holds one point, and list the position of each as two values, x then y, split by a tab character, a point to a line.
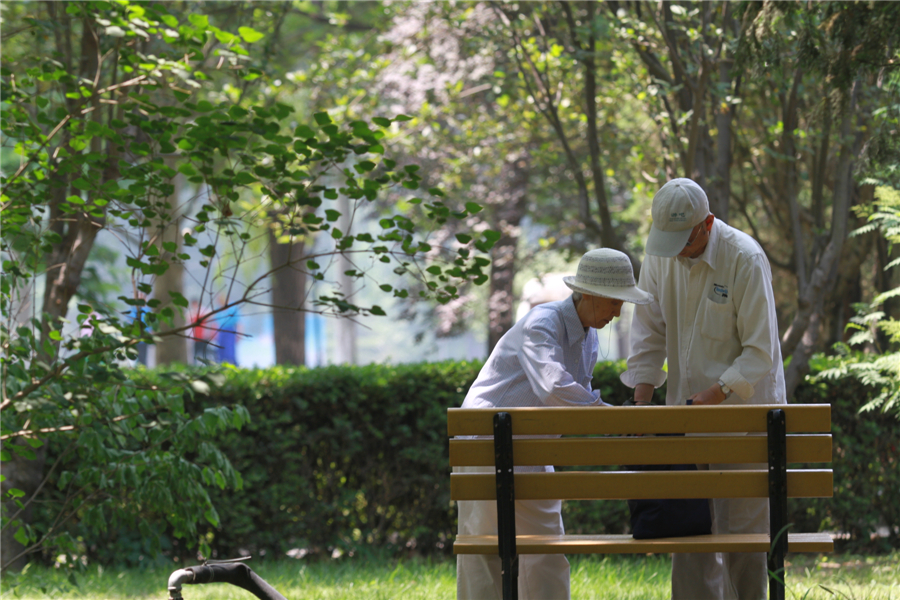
831	577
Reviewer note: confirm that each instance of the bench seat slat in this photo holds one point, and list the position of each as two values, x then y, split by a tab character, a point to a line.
643	450
625	544
657	419
623	485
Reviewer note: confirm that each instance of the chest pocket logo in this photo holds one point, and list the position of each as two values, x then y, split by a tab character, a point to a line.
719	294
718	320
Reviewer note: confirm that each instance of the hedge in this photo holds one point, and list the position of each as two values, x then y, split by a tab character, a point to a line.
343	457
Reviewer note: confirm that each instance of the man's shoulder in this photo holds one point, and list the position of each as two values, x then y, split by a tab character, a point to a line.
735	240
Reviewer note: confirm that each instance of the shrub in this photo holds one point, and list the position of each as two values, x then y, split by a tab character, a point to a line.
344	457
339	457
865	463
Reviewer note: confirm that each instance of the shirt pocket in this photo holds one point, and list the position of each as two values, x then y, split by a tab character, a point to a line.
718	320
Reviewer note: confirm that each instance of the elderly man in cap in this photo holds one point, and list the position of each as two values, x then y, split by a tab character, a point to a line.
713	319
546	359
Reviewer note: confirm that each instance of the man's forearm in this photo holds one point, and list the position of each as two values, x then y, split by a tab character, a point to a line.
643	393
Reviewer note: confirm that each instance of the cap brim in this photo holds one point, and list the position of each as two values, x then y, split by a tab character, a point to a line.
631	293
667	243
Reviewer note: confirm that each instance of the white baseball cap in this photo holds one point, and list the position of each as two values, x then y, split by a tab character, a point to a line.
677	208
607	273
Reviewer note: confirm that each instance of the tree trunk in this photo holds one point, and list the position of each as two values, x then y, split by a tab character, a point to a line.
720	186
799	367
288	297
172	348
66	260
26	475
511	209
802	335
848	288
346	327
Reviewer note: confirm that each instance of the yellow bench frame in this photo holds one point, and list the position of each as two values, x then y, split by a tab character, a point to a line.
784	434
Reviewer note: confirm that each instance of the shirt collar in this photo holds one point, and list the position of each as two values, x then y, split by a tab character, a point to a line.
574	329
709	253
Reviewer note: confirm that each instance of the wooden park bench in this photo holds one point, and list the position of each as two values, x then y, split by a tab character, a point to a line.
790	434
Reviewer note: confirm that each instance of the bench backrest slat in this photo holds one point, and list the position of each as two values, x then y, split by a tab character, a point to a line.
624	485
624	420
641	450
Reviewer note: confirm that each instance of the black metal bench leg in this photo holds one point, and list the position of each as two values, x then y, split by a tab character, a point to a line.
778	515
506	507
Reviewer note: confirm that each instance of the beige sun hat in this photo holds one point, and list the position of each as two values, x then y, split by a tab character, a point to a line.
607	273
677	208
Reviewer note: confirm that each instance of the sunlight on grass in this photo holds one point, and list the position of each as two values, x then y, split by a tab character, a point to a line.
831	577
621	577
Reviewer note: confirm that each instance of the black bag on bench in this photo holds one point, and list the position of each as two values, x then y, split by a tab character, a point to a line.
653	518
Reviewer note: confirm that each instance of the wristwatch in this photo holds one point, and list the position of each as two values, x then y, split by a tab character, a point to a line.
725	389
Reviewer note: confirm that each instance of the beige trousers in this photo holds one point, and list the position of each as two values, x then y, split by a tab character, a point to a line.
726	575
541	576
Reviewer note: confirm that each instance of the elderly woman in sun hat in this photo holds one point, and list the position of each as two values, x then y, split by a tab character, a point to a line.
546	359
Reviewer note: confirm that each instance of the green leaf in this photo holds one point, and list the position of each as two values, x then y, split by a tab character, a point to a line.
305	132
250	35
381	121
473	207
21	536
403	118
199	21
463	238
82	184
55	335
322	118
225	37
377	310
15	493
28	453
212	517
178	299
237	112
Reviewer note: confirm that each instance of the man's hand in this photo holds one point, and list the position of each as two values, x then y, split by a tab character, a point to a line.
643	394
710	396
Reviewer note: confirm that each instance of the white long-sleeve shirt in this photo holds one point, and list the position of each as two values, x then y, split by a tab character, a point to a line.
546	359
713	318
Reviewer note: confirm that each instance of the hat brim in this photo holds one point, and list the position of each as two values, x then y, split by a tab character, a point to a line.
630	293
667	243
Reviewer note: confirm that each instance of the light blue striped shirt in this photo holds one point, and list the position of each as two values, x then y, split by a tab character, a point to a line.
546	359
